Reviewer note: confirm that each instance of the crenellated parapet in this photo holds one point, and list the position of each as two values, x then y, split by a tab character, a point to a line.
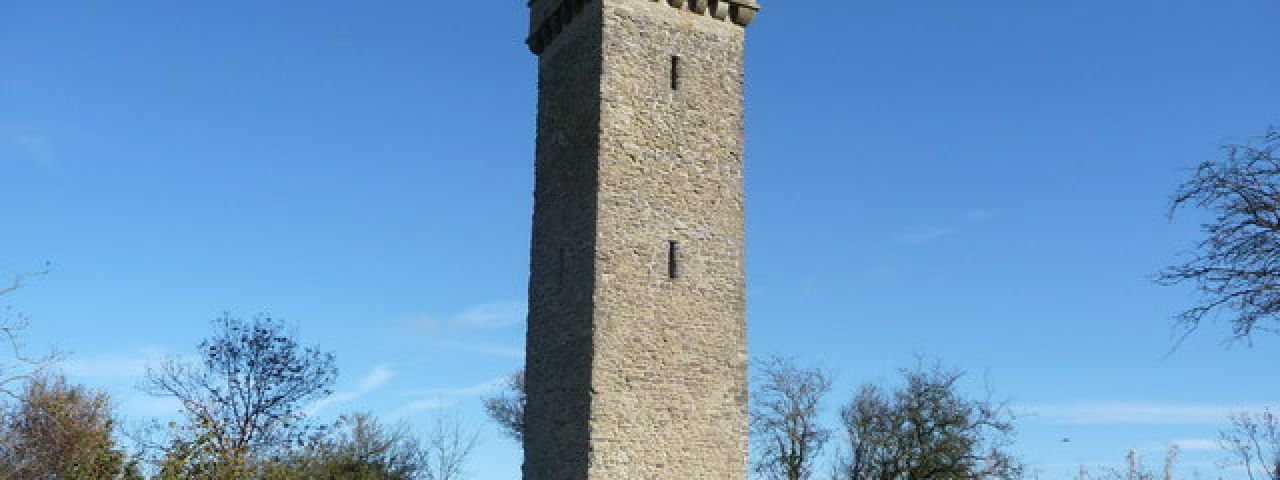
549	17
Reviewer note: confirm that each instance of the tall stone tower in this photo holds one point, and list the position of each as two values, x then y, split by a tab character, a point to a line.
636	365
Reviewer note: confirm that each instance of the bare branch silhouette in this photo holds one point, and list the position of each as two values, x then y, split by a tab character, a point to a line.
1236	267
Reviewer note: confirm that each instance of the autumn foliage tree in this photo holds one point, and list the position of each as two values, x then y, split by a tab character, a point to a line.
55	430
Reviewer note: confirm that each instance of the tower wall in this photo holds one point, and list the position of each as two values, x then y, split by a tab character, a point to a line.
559	357
631	373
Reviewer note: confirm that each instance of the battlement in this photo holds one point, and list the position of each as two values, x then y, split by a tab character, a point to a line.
548	17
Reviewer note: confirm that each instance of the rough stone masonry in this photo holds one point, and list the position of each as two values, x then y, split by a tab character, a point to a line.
636	363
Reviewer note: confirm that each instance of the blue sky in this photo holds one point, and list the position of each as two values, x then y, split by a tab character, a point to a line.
982	182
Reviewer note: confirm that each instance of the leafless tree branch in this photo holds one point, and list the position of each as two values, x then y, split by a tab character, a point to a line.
1236	267
785	426
1253	441
24	366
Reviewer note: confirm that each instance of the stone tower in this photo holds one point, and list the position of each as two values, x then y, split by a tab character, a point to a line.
636	364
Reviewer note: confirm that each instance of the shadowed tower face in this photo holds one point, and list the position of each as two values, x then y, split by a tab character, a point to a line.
636	364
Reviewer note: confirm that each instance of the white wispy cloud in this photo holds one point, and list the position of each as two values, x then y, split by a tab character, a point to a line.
474	329
377	377
1134	413
488	386
490	349
1184	444
372	381
491	316
440	398
488	316
113	367
1197	444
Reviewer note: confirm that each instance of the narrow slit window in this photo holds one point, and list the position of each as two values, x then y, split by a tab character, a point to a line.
675	73
673	260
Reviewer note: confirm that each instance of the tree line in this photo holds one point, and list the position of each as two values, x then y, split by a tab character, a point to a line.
242	415
924	429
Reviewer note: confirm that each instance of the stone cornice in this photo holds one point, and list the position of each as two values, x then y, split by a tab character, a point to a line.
549	17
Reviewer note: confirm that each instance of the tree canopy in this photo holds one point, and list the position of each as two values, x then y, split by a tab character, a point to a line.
926	430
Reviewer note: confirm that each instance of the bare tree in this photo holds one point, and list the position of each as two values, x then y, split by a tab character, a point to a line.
448	446
19	280
506	408
925	430
1134	470
1253	441
1171	461
23	365
243	400
784	418
1236	267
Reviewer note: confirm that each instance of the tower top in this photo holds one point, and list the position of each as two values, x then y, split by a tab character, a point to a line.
548	17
